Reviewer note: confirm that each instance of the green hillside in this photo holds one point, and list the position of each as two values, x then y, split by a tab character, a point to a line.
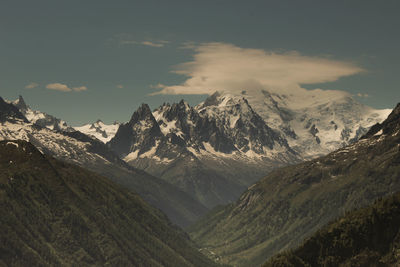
58	214
366	237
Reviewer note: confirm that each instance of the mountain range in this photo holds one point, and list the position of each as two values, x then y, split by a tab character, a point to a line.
291	203
78	148
212	152
187	160
99	130
215	150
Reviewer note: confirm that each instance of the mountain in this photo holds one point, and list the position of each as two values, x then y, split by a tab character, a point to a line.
315	122
100	130
213	151
365	237
9	112
58	214
291	203
40	118
90	153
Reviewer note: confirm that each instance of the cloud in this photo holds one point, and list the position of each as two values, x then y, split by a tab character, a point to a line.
158	86
153	44
58	87
120	86
80	88
226	67
127	39
362	95
31	85
64	87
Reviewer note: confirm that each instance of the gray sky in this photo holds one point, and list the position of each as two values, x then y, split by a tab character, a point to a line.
84	60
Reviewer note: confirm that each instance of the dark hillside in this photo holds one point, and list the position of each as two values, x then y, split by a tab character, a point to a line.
54	213
366	237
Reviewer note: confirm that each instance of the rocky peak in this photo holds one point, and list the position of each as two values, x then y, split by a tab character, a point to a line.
139	134
389	126
10	112
142	113
212	100
20	103
177	111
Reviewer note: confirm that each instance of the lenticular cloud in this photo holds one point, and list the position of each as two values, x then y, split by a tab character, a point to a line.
225	67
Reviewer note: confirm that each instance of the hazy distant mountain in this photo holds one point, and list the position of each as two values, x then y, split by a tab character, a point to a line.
88	152
100	130
41	118
58	214
315	122
291	203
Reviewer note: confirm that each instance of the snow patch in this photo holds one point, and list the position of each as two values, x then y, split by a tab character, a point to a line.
131	156
12	143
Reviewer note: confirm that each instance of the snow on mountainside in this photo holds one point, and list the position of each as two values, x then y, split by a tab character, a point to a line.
249	132
233	140
315	122
230	129
289	204
91	153
41	118
209	153
100	130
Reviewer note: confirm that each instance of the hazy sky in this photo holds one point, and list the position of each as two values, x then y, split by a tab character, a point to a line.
84	60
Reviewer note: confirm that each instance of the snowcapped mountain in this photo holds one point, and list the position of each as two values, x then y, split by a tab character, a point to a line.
88	152
100	130
289	204
41	118
217	149
315	122
229	129
212	152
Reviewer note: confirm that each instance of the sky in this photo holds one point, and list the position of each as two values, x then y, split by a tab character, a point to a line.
87	60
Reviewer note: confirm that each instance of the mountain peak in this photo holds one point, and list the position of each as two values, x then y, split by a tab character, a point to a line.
182	103
141	113
212	100
9	111
20	103
388	126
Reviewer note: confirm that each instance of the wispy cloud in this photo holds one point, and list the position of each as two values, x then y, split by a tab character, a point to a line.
226	67
120	86
158	86
64	88
128	39
362	95
155	44
79	88
161	43
31	85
